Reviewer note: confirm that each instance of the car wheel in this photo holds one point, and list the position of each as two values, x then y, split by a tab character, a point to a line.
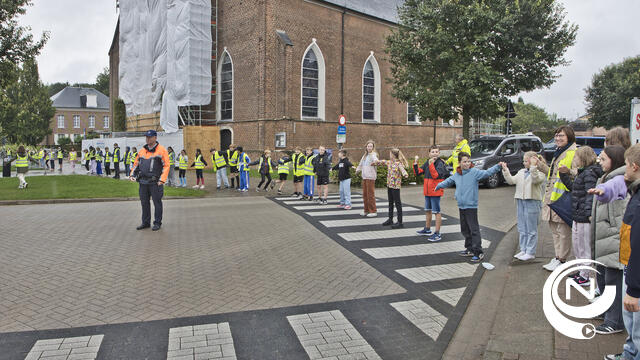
493	181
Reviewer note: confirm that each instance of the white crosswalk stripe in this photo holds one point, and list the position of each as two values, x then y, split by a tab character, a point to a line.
370	221
340	212
329	335
313	206
423	316
416	250
289	198
81	347
354	200
208	341
438	272
452	296
392	233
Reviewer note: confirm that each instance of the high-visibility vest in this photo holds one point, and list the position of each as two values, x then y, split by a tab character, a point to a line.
244	161
128	159
22	161
558	187
92	155
283	168
297	169
182	162
269	163
218	160
116	155
41	154
172	158
308	165
108	156
233	158
60	154
51	156
133	157
98	156
73	155
199	163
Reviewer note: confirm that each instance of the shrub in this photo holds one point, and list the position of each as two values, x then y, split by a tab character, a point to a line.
381	179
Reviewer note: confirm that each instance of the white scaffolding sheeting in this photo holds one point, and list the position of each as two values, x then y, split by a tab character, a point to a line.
165	57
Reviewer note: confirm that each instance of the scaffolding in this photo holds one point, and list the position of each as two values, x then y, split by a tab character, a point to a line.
193	115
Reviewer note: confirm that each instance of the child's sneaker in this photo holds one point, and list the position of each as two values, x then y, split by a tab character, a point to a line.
424	231
477	258
341	206
603	329
324	202
372	214
257	189
397	225
465	253
526	257
347	207
517	256
582	281
279	192
435	237
614	357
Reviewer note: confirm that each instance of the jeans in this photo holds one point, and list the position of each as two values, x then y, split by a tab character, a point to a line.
613	316
528	218
632	324
221	177
171	178
345	192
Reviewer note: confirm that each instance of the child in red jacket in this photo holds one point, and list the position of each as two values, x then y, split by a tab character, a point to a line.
435	171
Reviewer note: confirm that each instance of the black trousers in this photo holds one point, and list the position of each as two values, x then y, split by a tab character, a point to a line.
116	168
394	199
86	165
268	176
107	168
611	276
154	192
471	230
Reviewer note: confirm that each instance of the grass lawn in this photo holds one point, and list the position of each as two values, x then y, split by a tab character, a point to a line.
77	187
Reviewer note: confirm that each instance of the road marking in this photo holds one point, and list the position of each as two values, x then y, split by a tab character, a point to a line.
438	272
330	335
392	233
334	196
423	316
319	207
208	341
336	211
420	249
452	296
81	347
370	221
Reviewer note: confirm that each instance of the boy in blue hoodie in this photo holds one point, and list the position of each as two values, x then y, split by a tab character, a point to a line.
466	179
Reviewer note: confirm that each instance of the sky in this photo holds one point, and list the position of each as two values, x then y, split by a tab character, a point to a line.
82	30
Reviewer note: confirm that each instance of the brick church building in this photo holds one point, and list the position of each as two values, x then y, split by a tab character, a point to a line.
284	71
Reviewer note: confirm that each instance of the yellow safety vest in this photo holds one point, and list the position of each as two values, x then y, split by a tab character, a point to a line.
244	161
133	157
108	156
22	161
218	160
199	163
297	170
72	156
116	155
98	156
260	166
41	154
462	146
233	159
60	154
51	157
182	162
172	157
558	187
308	165
283	168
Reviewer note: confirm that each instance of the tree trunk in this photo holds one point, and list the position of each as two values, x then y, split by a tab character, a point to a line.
465	122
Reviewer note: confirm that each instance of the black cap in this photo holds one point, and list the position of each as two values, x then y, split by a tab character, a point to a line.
151	133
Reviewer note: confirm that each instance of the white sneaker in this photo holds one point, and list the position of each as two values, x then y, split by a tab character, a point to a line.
363	214
372	214
526	257
201	187
195	186
551	262
553	266
517	256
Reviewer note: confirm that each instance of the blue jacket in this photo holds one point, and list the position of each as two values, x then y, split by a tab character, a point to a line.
467	185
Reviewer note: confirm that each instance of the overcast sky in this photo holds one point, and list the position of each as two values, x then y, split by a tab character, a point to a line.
82	30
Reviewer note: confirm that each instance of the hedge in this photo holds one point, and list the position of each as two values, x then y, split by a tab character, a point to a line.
381	179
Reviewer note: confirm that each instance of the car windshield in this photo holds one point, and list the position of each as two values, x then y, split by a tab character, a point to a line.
484	146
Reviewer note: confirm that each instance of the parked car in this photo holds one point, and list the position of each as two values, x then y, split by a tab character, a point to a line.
489	150
595	142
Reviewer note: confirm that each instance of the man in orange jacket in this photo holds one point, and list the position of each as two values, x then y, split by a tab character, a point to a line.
151	169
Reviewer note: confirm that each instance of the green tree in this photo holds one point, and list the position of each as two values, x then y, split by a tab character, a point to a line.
454	58
16	43
530	117
120	115
65	141
25	108
609	95
102	81
56	87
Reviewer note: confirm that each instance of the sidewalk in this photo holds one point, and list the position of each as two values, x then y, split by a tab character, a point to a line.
505	319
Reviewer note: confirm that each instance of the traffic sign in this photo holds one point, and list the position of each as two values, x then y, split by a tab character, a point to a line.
635	121
342	130
341	138
342	120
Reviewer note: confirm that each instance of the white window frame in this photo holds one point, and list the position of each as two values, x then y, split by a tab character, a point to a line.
92	121
225	52
417	122
76	125
105	122
377	90
321	80
60	118
283	144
